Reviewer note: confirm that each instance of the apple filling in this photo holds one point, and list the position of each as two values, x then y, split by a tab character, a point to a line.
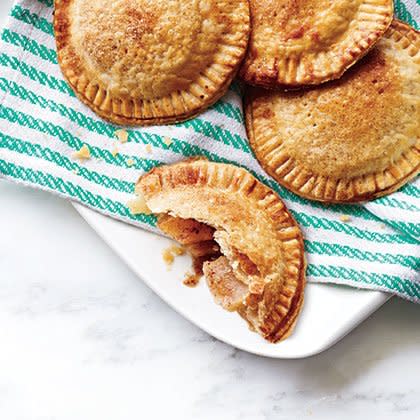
228	290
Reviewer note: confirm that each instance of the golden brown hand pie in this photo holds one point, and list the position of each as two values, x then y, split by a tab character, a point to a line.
348	140
305	42
257	265
150	62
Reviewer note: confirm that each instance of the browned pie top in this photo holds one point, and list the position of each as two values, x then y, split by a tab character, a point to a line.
143	61
300	42
351	139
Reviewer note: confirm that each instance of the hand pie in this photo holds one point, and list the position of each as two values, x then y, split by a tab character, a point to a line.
306	42
150	62
349	140
251	246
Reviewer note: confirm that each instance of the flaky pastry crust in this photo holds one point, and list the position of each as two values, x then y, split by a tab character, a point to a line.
306	42
349	140
150	62
261	273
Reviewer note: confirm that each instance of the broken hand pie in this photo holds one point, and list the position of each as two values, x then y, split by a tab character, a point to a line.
349	140
150	62
251	246
305	42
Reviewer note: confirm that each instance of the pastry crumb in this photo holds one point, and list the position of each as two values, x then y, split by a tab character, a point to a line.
168	141
122	135
170	253
114	151
83	153
75	171
129	162
382	226
148	148
191	280
138	206
178	250
345	218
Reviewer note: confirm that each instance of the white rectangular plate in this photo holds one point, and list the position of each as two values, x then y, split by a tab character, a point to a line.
329	311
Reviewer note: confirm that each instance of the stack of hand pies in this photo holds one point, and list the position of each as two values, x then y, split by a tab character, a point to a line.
332	104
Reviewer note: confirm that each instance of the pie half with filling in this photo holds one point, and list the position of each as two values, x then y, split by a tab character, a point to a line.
305	42
348	140
150	62
249	246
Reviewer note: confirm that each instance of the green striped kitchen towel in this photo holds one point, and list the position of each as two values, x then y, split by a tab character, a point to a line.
42	124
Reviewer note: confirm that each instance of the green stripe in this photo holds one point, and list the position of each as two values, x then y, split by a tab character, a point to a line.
25	15
187	149
74	142
216	132
331	225
413	229
229	110
45	153
333	250
402	13
58	184
341	209
411	190
35	74
354	210
392	283
236	87
395	203
97	126
48	3
30	45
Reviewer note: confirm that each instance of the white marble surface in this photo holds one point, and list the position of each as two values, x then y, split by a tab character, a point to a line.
83	338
